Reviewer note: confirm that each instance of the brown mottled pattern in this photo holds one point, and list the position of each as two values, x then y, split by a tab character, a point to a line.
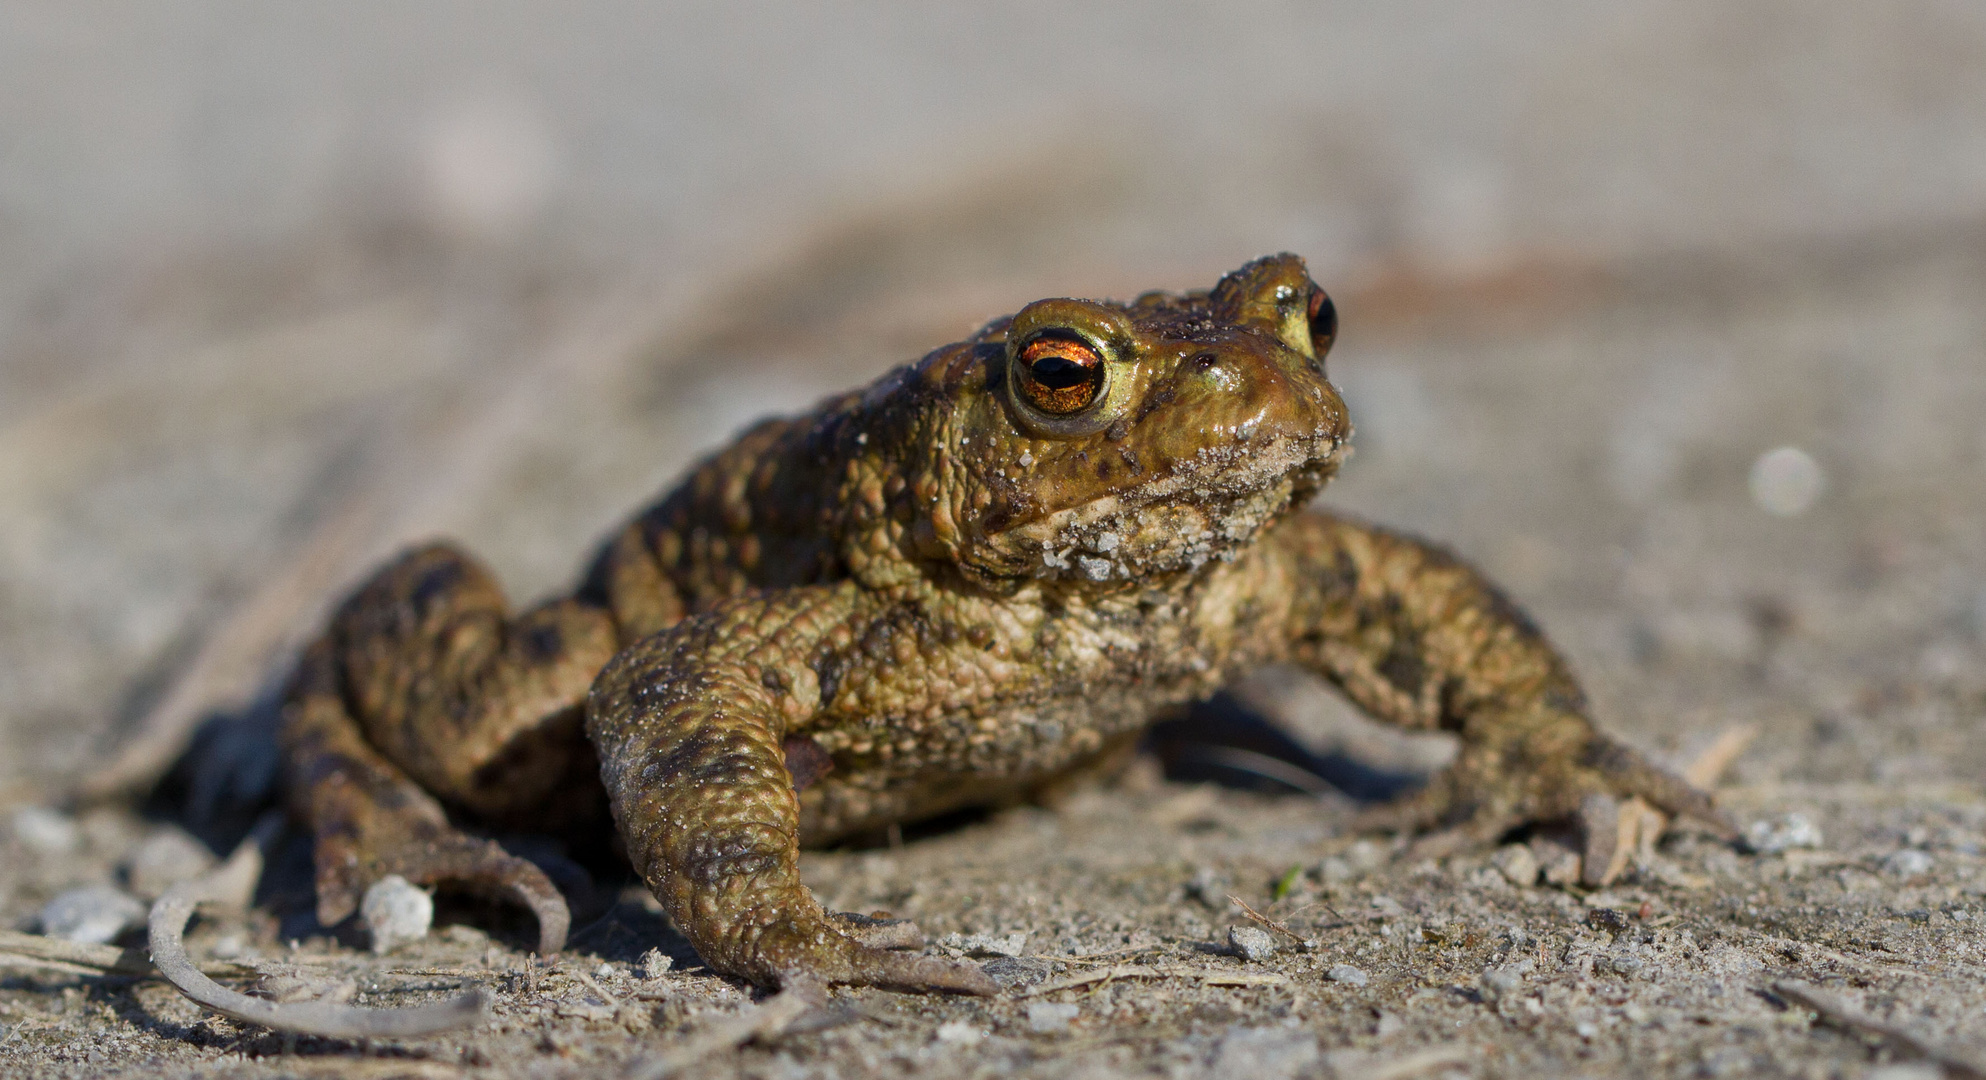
941	595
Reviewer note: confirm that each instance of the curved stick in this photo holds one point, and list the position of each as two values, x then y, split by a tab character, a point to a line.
168	922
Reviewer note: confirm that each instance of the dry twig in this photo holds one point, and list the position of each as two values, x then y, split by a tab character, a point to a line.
168	922
76	958
1264	921
1839	1012
232	883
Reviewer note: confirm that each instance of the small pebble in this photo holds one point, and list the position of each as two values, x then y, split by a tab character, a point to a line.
1788	832
961	1033
1357	860
1045	1017
1785	481
1335	869
1501	982
1611	920
987	944
1265	1053
1210	887
1557	863
1345	973
1908	862
396	912
48	832
1627	964
164	859
92	914
1251	942
465	935
1517	865
655	963
1016	971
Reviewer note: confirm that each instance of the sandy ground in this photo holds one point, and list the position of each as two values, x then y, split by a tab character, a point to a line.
1672	324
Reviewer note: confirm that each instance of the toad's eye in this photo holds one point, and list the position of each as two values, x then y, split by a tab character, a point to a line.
1059	374
1323	321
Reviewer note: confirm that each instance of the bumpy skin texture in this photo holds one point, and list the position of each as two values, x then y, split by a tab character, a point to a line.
985	571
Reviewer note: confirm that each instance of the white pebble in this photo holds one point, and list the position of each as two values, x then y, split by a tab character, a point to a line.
1501	982
396	912
1335	869
1265	1053
92	914
960	1033
1049	1016
1517	864
50	832
1786	481
1345	973
1251	943
1908	862
164	859
1790	831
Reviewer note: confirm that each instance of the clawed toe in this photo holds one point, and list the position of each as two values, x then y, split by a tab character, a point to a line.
477	865
904	971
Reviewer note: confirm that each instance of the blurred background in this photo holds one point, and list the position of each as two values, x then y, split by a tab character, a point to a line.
1667	313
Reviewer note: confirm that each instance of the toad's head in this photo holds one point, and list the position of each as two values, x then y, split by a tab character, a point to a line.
1106	442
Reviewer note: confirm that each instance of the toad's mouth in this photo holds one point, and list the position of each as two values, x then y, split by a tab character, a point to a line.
1204	508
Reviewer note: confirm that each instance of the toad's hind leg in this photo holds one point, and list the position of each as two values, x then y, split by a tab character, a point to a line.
422	691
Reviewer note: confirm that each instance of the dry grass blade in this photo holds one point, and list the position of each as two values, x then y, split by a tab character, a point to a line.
1264	921
1368	1067
168	923
1210	976
1837	1011
56	954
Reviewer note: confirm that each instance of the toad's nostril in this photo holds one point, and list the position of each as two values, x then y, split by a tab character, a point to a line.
1205	361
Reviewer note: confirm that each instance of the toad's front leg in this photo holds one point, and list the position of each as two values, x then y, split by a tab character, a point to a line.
690	726
1418	638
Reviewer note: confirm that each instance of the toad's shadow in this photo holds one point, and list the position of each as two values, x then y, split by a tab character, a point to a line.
228	776
1223	741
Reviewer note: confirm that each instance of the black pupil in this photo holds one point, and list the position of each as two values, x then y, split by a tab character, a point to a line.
1058	373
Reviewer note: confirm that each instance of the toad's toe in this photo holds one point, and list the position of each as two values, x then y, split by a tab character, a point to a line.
346	866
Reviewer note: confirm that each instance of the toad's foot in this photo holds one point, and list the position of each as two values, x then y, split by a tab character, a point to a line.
693	751
369	820
1515	770
431	853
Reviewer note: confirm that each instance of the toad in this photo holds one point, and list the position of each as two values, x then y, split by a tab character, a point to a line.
981	574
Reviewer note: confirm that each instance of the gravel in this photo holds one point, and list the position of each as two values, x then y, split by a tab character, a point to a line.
164	859
91	914
1347	974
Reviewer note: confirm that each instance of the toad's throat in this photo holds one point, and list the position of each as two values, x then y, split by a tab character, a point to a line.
1206	508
